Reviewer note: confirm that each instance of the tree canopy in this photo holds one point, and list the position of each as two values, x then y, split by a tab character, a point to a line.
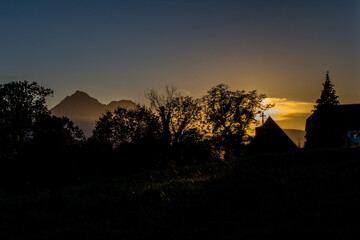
21	105
222	119
174	130
231	114
126	126
177	114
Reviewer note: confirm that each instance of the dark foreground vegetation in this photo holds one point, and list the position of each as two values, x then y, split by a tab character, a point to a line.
182	168
41	151
306	193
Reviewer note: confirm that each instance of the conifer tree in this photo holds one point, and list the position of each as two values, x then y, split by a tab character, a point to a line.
320	130
328	96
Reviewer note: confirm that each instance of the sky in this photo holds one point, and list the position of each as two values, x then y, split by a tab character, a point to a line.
120	49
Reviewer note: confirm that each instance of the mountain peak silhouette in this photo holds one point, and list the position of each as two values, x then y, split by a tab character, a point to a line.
80	94
84	110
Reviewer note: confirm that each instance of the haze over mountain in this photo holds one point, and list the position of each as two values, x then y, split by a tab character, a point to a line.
84	110
297	136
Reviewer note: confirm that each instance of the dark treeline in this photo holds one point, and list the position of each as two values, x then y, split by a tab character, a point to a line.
38	150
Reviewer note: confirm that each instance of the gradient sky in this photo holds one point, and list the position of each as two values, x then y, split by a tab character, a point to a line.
119	49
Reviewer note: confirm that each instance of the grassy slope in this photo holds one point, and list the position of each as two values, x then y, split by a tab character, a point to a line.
303	193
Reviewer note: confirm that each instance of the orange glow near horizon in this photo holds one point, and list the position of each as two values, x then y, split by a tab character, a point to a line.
289	114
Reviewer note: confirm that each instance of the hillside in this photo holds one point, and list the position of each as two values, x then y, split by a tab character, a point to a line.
85	110
286	196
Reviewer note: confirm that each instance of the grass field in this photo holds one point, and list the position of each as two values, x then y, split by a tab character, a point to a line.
285	195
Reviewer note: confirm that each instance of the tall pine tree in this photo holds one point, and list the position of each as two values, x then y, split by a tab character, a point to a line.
328	96
320	131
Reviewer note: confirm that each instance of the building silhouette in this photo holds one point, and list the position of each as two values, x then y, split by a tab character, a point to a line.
271	138
339	126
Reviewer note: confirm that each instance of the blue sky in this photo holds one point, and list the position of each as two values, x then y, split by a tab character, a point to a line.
119	49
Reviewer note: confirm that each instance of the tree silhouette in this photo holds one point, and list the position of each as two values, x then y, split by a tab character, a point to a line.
321	125
126	126
59	131
328	96
50	158
178	114
130	135
230	115
36	149
21	105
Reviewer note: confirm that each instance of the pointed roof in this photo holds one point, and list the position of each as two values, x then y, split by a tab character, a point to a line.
270	137
271	124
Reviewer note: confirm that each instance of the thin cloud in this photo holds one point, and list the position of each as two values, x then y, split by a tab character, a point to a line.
289	114
286	109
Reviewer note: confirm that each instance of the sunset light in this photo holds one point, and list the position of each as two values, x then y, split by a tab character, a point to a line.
179	119
288	113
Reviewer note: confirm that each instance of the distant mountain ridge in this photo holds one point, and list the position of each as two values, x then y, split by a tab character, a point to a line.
84	110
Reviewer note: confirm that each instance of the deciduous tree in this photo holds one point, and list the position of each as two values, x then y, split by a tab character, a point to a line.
178	114
126	126
21	105
230	115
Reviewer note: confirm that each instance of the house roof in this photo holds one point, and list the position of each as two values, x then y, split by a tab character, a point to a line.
344	116
350	113
269	124
270	137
